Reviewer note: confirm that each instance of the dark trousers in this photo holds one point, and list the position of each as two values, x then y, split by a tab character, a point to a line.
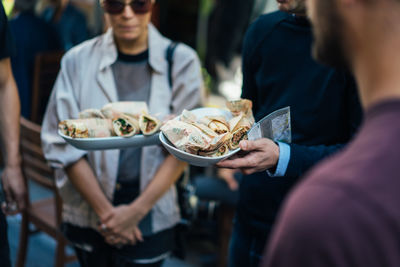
92	250
246	247
4	249
104	258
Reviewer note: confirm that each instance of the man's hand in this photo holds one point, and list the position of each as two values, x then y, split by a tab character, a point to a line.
262	154
14	189
119	226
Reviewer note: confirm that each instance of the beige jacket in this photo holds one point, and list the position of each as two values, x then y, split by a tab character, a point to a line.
86	81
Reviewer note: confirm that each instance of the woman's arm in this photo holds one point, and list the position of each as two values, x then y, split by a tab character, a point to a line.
82	177
124	218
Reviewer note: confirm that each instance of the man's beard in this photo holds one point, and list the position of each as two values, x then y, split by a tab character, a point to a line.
328	47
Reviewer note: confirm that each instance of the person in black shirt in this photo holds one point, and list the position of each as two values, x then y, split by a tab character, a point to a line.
12	182
32	35
278	71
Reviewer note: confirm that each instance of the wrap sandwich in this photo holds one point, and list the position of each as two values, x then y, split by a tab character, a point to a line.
149	124
238	126
216	123
91	113
125	126
241	106
86	128
219	146
185	136
131	108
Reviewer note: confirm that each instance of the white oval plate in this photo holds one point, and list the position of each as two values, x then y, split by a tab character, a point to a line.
114	142
197	160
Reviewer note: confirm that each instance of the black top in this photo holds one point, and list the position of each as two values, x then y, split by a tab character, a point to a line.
279	71
132	75
6	44
346	213
32	35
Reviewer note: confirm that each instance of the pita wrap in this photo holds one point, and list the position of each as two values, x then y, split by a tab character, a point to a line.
149	124
125	126
131	108
91	113
86	128
216	123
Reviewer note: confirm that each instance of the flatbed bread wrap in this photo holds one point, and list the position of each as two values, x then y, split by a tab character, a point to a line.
91	113
216	123
86	128
185	136
241	106
125	126
131	108
149	124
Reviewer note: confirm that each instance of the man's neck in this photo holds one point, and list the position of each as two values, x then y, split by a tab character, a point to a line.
377	68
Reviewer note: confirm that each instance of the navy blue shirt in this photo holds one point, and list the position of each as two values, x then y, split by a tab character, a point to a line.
279	71
32	36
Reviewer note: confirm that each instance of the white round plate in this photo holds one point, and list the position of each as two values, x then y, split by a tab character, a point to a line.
197	160
114	142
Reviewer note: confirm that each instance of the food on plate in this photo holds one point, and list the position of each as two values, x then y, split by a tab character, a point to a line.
216	123
131	108
241	106
86	128
237	136
220	151
149	124
116	119
210	136
239	122
125	126
91	113
185	136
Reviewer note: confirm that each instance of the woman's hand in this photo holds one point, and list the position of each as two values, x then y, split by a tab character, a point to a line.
120	225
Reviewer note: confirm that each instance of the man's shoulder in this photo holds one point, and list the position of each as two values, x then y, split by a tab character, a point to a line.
265	21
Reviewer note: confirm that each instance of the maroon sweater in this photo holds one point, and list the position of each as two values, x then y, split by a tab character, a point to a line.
347	212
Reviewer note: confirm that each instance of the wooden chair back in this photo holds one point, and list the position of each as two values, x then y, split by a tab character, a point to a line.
46	213
46	68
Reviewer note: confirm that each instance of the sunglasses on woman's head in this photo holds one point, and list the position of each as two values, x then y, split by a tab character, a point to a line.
114	7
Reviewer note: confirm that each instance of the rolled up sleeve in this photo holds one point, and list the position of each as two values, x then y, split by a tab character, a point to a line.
62	105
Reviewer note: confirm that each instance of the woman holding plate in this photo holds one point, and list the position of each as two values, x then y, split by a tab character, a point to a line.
119	205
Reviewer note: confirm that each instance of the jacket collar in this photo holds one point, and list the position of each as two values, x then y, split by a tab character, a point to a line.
156	50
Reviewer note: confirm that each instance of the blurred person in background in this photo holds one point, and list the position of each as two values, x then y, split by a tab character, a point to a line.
32	35
226	27
11	177
279	71
69	22
120	206
346	211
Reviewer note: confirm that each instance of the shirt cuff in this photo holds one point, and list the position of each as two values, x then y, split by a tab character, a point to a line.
283	161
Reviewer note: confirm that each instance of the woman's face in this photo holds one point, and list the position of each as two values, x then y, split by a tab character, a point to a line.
128	18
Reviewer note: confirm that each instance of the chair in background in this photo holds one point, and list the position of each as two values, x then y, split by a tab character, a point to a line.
44	214
46	68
